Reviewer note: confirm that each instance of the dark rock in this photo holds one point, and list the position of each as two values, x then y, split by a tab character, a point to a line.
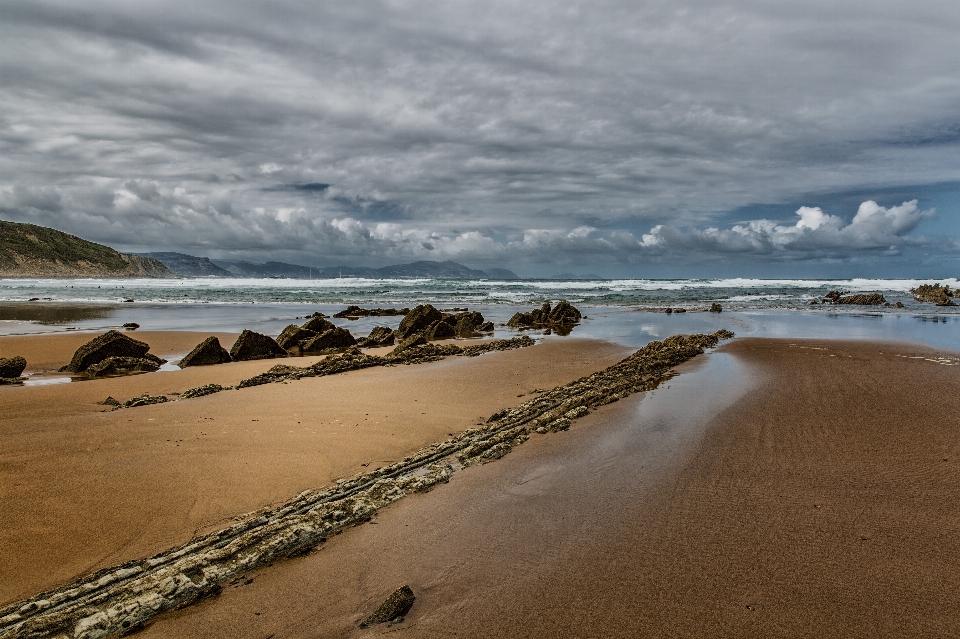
332	338
418	320
679	310
668	310
564	313
716	308
131	326
125	365
109	401
128	301
12	367
144	400
356	311
410	342
560	319
486	327
292	335
861	299
206	353
939	295
439	330
396	605
318	325
379	336
468	324
111	344
898	304
251	346
200	391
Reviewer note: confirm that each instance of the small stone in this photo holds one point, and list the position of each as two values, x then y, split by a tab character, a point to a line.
397	605
716	308
131	326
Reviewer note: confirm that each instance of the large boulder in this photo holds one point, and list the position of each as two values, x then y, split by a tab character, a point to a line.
564	313
379	336
125	365
251	346
12	367
110	344
439	330
333	338
292	336
318	324
418	320
206	353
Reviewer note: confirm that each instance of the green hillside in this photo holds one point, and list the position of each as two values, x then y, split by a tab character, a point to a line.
28	250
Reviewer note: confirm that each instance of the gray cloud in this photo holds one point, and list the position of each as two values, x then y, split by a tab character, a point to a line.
509	132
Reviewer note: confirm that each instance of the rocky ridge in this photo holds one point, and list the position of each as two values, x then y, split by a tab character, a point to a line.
939	295
119	600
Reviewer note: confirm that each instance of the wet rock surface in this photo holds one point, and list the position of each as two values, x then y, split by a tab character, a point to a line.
206	353
292	335
560	319
252	346
395	607
12	367
418	320
131	326
356	311
110	344
318	324
379	336
113	600
860	299
125	366
936	294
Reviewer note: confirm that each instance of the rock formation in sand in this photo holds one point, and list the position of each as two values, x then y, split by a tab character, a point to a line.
206	353
418	320
333	338
292	335
251	346
561	318
379	336
125	355
939	295
318	324
125	365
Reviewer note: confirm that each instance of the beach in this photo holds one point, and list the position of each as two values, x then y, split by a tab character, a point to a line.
772	488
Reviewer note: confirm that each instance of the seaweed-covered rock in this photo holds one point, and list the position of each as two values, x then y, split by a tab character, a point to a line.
332	338
939	295
439	330
860	299
206	353
468	324
200	391
12	367
564	313
418	320
110	344
251	346
396	606
716	308
292	335
318	325
125	365
144	400
410	342
379	336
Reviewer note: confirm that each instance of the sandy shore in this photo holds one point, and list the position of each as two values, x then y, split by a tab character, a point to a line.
819	503
83	488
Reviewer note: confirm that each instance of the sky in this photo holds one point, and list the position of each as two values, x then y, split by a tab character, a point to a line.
814	138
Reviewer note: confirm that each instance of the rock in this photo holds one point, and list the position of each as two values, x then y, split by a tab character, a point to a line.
396	605
562	318
251	346
934	293
668	310
564	313
206	353
418	320
898	304
679	310
486	327
131	326
110	401
410	342
292	335
318	325
716	308
200	391
12	367
356	311
439	330
144	400
125	365
332	338
111	344
379	336
468	324
861	299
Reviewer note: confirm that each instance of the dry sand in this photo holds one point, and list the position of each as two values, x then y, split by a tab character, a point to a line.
82	487
821	503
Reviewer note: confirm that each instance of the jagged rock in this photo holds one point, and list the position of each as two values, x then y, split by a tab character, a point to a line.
131	326
110	401
564	313
318	324
125	365
439	330
143	400
934	293
418	320
110	344
716	308
332	338
410	342
12	367
396	606
561	319
206	353
200	391
486	327
356	311
379	336
898	304
292	336
251	346
468	323
861	299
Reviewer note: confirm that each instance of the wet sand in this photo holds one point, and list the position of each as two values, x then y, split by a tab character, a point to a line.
816	496
82	487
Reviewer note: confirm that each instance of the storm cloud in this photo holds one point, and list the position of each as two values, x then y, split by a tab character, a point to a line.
522	134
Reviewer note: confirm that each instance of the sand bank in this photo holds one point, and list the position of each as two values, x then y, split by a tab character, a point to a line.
82	488
820	503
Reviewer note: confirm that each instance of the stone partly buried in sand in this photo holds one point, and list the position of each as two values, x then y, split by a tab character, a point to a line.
113	353
118	600
560	319
207	353
393	609
252	346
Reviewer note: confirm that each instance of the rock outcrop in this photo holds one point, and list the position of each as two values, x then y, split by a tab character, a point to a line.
200	391
442	329
393	609
110	344
561	318
356	311
418	320
330	339
860	299
206	353
318	324
379	336
12	367
125	366
292	335
939	295
251	346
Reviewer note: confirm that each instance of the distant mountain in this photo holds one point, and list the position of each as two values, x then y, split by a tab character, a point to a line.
450	270
28	250
189	265
243	268
574	276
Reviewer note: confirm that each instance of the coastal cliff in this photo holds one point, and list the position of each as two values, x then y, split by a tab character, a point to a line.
27	250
